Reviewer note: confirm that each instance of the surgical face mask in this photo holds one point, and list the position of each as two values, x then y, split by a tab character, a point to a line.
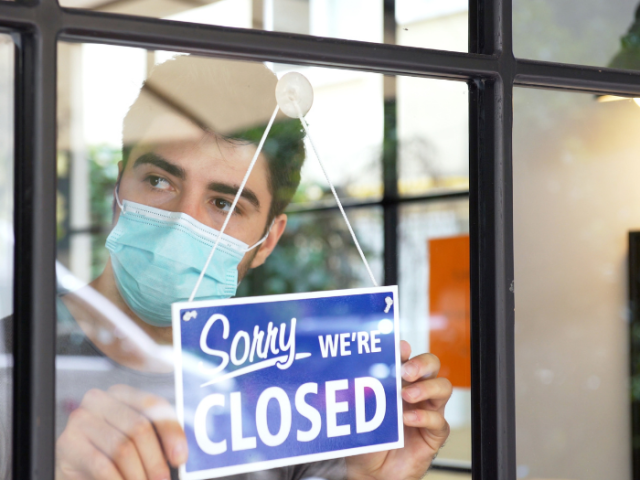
157	257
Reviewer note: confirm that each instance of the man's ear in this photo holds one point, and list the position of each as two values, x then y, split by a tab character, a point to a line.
265	249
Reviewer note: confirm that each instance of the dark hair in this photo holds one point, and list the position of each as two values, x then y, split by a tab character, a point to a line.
230	99
284	150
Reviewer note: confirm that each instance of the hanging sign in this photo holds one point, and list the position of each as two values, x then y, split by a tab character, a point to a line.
264	382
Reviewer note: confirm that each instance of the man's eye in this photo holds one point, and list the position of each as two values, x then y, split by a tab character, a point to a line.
158	182
222	204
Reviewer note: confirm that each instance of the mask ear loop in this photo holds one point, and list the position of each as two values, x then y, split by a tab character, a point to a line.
235	202
333	190
118	198
266	235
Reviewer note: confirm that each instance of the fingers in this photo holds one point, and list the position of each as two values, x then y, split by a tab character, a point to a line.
123	434
427	419
405	351
163	417
435	391
77	457
426	365
111	442
137	431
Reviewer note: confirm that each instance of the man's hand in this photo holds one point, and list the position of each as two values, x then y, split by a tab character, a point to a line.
425	428
120	434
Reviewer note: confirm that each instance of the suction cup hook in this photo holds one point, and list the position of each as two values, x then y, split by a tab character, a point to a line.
294	95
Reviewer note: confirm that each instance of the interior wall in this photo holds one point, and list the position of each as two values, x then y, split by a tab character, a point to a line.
576	196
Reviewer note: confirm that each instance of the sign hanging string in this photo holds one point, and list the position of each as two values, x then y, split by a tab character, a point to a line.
335	194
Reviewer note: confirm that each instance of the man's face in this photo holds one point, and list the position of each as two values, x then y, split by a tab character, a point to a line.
201	178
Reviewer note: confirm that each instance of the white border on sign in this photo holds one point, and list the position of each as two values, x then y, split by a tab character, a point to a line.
282	462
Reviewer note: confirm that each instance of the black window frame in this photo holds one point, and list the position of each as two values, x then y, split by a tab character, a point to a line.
491	71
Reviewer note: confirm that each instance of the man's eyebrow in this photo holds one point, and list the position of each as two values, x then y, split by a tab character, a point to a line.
233	190
155	159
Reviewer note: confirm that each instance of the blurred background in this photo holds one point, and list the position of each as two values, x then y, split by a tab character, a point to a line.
575	173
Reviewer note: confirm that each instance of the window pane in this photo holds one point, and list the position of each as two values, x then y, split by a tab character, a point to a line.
587	32
319	254
439	24
175	134
6	250
440	475
433	136
575	202
420	225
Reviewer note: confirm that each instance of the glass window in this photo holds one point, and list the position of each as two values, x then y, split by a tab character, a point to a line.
439	475
433	148
349	144
439	24
575	202
420	224
139	124
586	32
436	24
6	250
316	253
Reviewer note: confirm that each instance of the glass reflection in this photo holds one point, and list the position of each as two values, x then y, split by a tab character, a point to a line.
6	250
575	201
587	32
420	223
433	149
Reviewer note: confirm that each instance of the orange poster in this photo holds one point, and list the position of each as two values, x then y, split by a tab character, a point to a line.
449	307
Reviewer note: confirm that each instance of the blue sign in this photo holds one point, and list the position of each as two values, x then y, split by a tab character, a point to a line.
265	382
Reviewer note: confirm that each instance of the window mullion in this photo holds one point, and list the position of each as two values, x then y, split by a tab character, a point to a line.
491	230
35	252
578	78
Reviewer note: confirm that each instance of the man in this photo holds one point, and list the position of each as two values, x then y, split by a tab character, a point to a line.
182	165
